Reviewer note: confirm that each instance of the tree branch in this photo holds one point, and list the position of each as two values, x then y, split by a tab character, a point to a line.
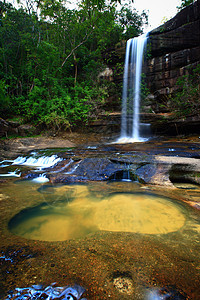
77	46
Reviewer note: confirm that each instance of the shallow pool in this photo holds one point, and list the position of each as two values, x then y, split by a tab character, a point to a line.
70	212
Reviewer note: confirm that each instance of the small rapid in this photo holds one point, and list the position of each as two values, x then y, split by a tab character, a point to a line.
38	162
35	160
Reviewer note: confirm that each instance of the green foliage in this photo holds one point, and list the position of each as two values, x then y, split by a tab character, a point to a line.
148	51
50	57
65	109
4	98
144	89
187	98
131	22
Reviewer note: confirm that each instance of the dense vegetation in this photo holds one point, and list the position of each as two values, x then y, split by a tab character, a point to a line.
186	101
51	55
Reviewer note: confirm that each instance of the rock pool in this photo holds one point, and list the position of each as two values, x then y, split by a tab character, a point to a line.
115	239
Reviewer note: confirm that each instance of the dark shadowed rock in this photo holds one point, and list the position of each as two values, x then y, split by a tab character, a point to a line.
154	174
4	127
90	169
26	129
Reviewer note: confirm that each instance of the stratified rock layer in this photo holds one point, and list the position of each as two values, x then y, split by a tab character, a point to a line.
174	48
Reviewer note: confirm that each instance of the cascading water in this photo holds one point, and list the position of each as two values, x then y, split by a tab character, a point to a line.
36	160
130	122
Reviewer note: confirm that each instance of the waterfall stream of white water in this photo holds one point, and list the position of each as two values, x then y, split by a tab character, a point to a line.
34	160
130	120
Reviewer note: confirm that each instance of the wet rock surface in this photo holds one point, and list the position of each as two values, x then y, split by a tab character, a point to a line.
155	174
153	162
50	292
158	162
108	265
17	146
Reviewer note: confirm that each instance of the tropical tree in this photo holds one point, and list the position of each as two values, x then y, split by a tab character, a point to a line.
131	22
51	56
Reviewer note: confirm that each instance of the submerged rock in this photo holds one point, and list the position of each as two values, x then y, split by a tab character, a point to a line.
167	292
49	292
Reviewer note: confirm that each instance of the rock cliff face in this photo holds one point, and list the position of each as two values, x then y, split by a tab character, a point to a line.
173	50
174	47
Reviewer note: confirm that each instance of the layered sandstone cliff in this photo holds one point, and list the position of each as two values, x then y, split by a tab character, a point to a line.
174	48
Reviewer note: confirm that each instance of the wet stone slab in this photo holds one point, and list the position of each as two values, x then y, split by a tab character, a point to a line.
107	264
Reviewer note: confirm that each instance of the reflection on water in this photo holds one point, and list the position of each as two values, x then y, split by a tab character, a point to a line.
186	186
75	211
132	243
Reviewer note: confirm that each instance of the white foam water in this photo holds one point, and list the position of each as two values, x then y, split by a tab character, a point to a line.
73	169
11	174
130	121
38	162
41	179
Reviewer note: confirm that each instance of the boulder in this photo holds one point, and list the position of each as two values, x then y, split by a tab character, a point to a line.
4	128
26	129
14	128
157	174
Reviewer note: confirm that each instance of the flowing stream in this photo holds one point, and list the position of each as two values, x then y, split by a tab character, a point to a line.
37	161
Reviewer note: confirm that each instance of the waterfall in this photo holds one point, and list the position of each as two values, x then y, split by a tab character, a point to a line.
130	121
